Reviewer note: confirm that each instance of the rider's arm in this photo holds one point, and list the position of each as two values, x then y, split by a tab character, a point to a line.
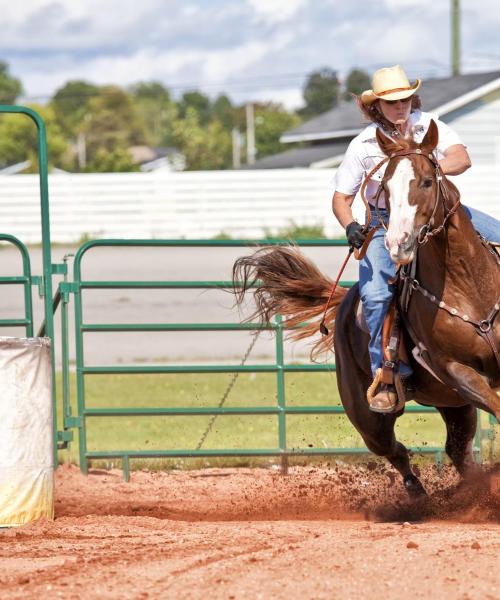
347	182
455	160
341	206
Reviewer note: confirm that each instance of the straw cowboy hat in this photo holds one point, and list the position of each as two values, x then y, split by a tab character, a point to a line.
389	84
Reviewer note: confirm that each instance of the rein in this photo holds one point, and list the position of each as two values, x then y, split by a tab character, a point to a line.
441	192
483	327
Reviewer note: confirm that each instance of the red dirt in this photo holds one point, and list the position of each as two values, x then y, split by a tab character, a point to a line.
339	532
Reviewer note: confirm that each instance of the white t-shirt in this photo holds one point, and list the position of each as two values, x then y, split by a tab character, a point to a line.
364	153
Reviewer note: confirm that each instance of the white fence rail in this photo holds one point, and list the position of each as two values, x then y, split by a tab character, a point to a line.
242	204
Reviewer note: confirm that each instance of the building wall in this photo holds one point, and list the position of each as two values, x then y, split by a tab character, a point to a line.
478	124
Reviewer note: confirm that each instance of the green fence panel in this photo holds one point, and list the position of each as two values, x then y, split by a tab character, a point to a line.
280	410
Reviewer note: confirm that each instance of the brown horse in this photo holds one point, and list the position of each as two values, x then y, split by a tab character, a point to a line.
449	316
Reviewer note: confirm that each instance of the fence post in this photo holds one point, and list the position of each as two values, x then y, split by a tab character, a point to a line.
280	387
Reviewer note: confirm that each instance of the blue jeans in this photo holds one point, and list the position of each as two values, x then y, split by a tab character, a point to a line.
377	268
488	227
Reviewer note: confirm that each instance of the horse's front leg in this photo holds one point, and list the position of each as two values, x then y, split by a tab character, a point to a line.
461	423
397	454
472	387
376	430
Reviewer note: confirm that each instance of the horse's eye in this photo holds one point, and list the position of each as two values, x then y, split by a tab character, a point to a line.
426	183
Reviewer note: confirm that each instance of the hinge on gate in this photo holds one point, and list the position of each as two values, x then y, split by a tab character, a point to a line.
38	281
65	289
73	421
59	269
65	436
68	287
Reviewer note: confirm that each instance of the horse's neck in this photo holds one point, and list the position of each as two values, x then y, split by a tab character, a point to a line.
456	256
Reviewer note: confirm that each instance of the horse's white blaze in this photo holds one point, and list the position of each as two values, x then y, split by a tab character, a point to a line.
402	220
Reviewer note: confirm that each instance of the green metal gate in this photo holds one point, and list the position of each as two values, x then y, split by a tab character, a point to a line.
43	282
279	367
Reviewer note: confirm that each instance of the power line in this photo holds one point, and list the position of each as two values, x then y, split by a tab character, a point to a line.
272	81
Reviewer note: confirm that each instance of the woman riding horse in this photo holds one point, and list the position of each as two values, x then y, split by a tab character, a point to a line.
451	314
394	108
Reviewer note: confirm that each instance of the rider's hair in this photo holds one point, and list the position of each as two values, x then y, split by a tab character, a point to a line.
372	112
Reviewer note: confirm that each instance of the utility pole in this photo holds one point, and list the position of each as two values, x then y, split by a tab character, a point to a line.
455	37
236	148
81	150
250	134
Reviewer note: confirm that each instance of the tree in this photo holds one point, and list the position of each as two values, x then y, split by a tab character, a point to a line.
199	102
10	87
204	146
271	120
357	82
71	105
320	92
19	140
112	126
157	111
223	111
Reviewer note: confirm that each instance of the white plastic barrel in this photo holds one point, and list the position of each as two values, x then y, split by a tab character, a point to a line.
26	431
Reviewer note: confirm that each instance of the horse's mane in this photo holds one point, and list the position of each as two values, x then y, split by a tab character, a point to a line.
405	143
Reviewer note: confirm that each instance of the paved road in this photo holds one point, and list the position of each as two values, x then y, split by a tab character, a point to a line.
169	306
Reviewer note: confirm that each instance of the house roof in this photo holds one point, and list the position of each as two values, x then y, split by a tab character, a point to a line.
438	95
321	155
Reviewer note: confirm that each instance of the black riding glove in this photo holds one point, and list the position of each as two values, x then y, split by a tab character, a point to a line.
355	235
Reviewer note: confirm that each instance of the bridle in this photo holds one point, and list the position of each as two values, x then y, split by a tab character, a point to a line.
483	327
426	230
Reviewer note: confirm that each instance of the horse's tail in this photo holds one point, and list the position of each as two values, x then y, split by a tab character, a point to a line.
289	285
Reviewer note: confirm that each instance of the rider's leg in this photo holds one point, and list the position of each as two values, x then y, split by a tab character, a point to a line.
375	271
488	226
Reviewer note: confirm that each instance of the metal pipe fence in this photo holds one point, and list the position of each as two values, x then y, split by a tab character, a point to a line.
279	367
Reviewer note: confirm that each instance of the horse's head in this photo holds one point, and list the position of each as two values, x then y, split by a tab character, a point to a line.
410	190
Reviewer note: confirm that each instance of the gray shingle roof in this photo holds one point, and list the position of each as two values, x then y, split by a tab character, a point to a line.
346	119
301	157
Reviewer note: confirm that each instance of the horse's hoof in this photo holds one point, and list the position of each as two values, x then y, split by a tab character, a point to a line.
414	488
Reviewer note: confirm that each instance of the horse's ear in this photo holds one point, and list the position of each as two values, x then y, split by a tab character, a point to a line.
431	138
387	145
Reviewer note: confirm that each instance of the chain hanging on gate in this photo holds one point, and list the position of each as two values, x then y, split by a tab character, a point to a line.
228	390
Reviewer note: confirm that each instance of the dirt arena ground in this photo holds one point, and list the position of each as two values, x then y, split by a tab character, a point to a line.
341	532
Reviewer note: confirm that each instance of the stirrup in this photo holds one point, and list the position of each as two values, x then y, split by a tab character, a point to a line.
390	398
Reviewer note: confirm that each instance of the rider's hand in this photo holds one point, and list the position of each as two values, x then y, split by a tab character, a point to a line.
355	235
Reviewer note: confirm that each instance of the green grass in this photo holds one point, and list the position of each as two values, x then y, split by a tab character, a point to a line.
228	432
298	232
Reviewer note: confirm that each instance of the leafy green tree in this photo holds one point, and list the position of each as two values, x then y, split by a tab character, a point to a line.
10	87
199	102
321	92
19	140
157	111
224	112
111	161
357	81
71	105
204	146
112	126
271	120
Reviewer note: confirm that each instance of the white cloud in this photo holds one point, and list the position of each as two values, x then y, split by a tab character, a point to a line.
211	44
209	68
276	11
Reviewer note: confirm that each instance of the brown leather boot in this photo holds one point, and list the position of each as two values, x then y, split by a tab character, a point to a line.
385	400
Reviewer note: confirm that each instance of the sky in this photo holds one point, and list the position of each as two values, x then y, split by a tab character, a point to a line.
253	50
